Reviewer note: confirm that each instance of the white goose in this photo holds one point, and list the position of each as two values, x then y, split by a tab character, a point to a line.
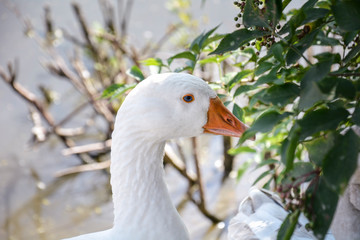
163	107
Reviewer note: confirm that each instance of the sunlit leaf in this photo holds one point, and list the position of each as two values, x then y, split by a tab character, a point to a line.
152	62
241	149
116	90
213	59
136	73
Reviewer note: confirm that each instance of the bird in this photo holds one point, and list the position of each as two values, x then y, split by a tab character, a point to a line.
165	106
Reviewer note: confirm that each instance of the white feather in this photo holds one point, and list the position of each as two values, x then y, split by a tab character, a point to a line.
151	114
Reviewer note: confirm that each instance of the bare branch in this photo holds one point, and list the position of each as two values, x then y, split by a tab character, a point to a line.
100	146
83	168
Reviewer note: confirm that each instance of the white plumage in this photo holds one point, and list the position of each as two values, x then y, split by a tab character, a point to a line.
155	111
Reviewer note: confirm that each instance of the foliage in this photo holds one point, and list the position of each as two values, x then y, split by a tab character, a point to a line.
299	71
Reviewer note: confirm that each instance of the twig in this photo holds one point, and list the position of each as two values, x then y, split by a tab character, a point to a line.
84	28
100	146
203	209
147	50
199	175
125	17
171	158
228	159
92	93
31	98
108	14
83	168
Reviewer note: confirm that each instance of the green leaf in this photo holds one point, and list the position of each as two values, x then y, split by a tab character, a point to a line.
116	90
321	120
254	17
341	161
288	226
301	172
347	14
263	67
310	95
243	88
277	50
238	112
136	73
280	95
319	148
264	174
288	147
198	44
264	123
236	39
186	55
109	91
152	62
267	162
241	149
356	115
294	55
238	77
313	14
352	54
321	204
310	92
242	169
214	59
345	88
323	40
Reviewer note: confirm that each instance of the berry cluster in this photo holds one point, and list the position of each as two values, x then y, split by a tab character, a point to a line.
241	5
292	197
266	41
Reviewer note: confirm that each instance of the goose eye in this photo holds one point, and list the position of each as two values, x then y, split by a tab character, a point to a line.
188	98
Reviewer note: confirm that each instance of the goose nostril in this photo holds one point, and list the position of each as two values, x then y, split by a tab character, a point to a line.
229	120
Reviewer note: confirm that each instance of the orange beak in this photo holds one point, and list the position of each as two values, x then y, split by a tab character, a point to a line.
221	121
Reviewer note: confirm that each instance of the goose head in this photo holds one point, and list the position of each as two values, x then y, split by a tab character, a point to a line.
173	105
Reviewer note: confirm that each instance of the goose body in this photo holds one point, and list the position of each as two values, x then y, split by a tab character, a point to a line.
162	107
